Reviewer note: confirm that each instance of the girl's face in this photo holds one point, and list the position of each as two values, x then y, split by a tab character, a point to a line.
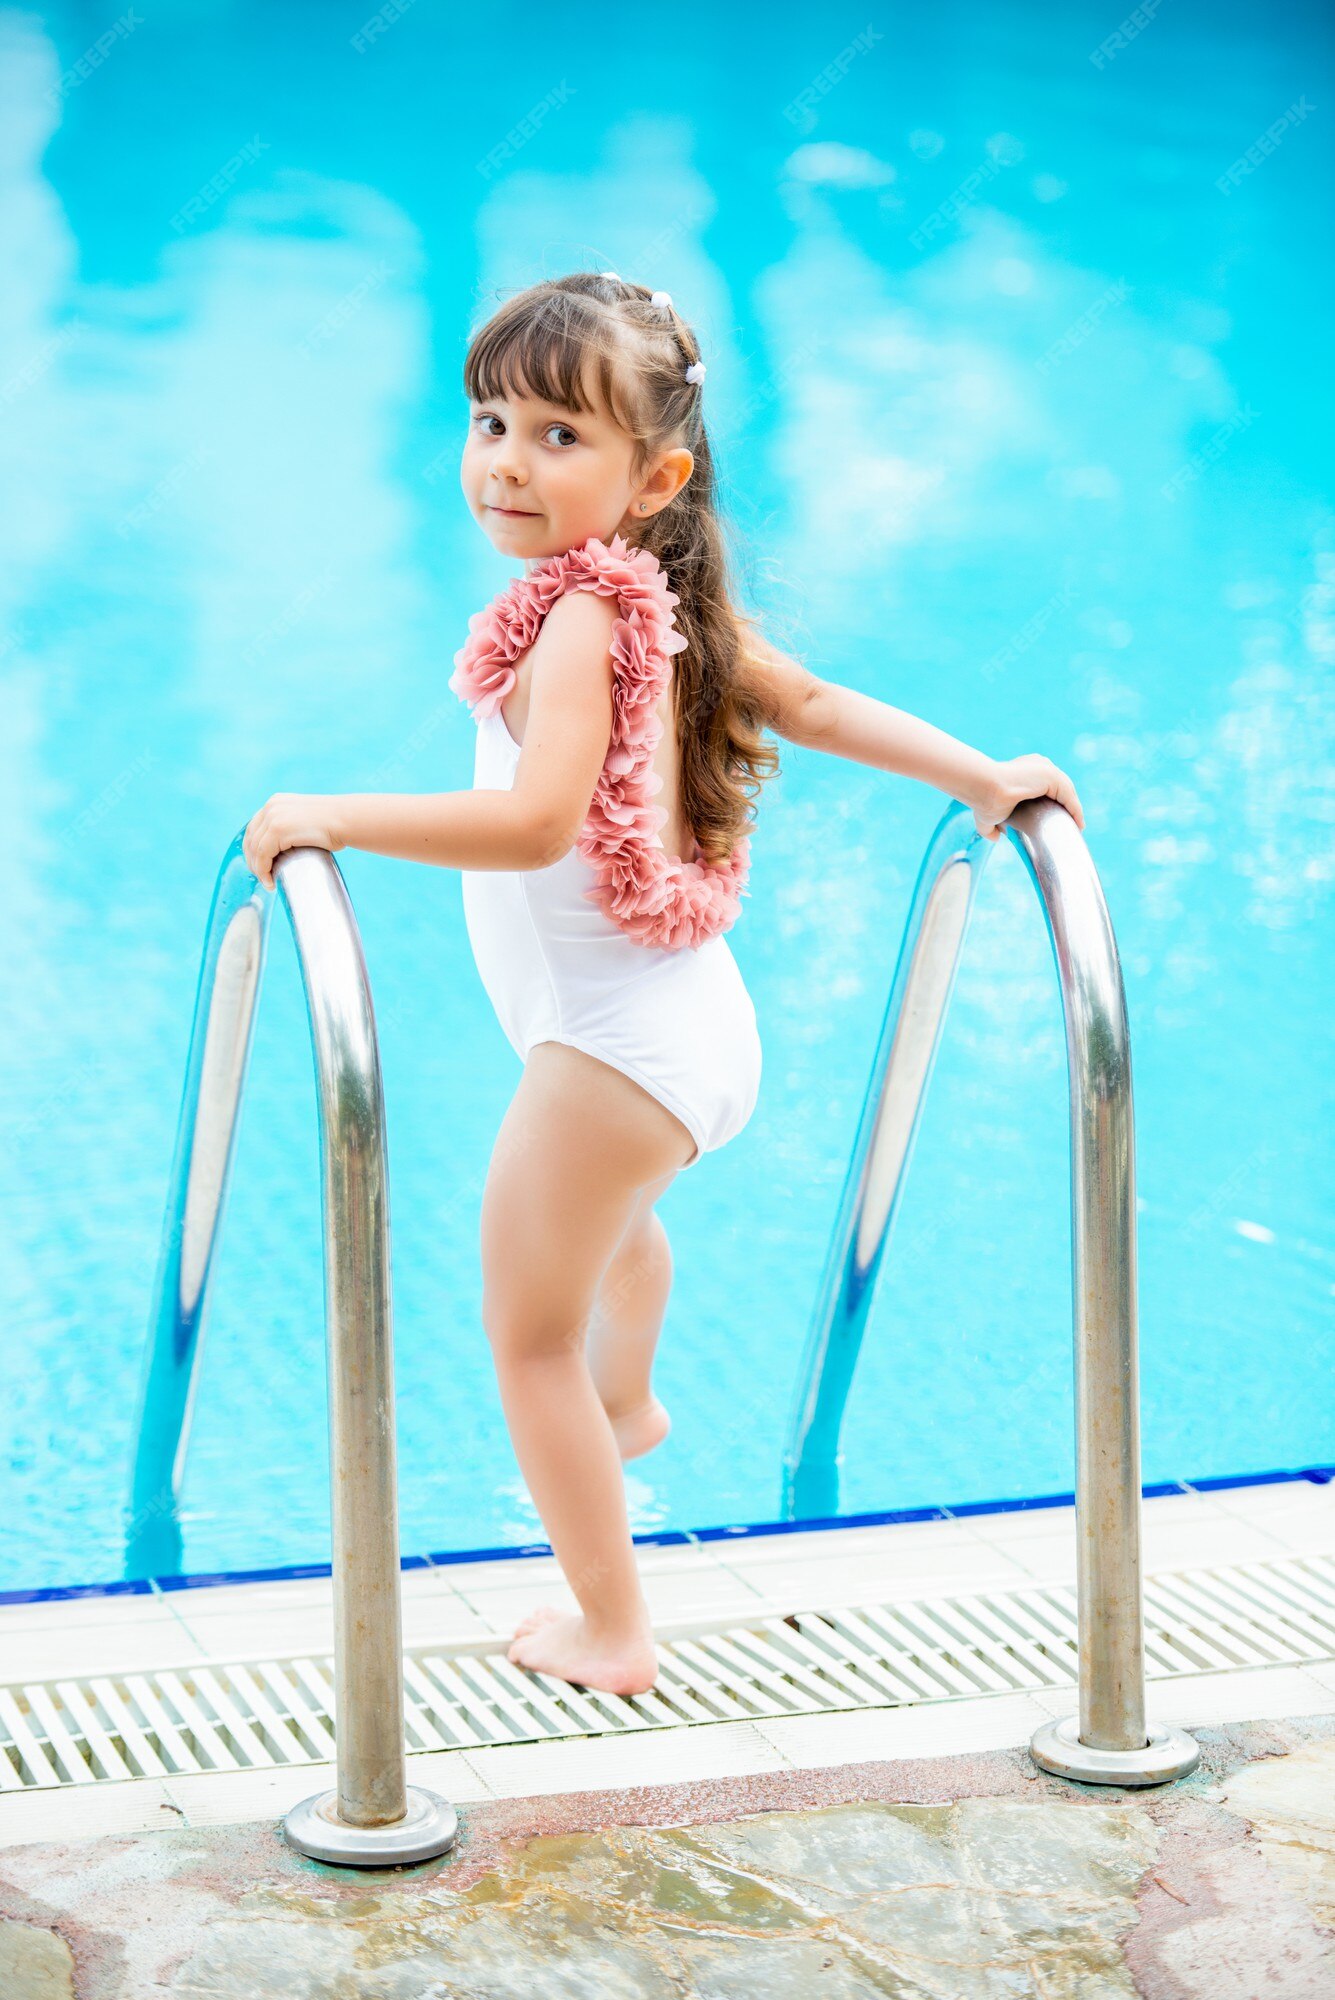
541	480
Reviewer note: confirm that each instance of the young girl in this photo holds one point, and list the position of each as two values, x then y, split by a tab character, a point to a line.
615	670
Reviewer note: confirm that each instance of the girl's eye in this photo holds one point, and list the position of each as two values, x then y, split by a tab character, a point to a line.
489	417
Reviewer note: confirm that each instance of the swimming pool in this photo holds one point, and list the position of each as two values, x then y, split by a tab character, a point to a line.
1024	426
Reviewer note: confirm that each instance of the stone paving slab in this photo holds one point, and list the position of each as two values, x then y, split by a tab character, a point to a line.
954	1878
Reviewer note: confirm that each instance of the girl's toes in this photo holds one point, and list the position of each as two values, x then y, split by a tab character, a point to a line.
533	1619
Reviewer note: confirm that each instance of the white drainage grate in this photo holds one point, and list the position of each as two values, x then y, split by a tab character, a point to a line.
246	1715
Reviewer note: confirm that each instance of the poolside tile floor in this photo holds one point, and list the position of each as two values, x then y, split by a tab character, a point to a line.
698	1586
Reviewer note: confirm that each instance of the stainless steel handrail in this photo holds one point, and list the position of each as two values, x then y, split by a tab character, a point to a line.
1110	1741
372	1818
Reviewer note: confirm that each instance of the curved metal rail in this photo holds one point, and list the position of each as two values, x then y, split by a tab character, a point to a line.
372	1818
1113	1744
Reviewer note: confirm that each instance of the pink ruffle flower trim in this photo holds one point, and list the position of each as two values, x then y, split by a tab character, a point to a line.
653	897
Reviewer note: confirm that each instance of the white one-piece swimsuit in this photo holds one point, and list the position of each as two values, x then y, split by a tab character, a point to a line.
556	969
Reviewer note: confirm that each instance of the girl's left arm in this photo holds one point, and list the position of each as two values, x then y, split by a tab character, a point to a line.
848	723
825	715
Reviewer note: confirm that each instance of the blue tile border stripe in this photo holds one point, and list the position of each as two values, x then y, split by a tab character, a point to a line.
1316	1475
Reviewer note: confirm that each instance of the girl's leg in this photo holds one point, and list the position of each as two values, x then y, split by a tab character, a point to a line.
626	1322
578	1145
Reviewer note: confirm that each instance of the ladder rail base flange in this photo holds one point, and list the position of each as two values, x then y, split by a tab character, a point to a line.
1170	1753
428	1828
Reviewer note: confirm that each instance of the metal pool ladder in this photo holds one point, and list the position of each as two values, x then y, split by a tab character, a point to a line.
1109	1742
372	1818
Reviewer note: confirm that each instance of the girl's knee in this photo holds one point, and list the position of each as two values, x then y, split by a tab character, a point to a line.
517	1338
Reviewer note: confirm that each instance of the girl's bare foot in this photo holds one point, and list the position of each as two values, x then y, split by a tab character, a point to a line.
557	1642
640	1430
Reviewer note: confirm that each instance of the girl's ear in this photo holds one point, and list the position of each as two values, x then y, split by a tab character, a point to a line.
673	470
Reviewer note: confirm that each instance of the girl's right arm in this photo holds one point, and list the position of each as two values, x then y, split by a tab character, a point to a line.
844	722
532	825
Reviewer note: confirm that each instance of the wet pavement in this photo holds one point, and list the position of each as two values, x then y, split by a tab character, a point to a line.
963	1878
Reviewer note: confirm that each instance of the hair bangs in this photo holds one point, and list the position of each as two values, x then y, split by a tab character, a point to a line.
554	349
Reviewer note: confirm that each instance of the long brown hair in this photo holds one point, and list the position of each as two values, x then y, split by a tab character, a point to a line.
594	333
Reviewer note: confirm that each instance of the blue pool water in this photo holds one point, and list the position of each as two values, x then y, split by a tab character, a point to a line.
1025	427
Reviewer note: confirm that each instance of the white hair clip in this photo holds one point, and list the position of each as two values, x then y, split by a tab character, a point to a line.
616	275
696	372
663	299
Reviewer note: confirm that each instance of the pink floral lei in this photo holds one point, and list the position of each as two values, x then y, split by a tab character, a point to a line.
653	897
